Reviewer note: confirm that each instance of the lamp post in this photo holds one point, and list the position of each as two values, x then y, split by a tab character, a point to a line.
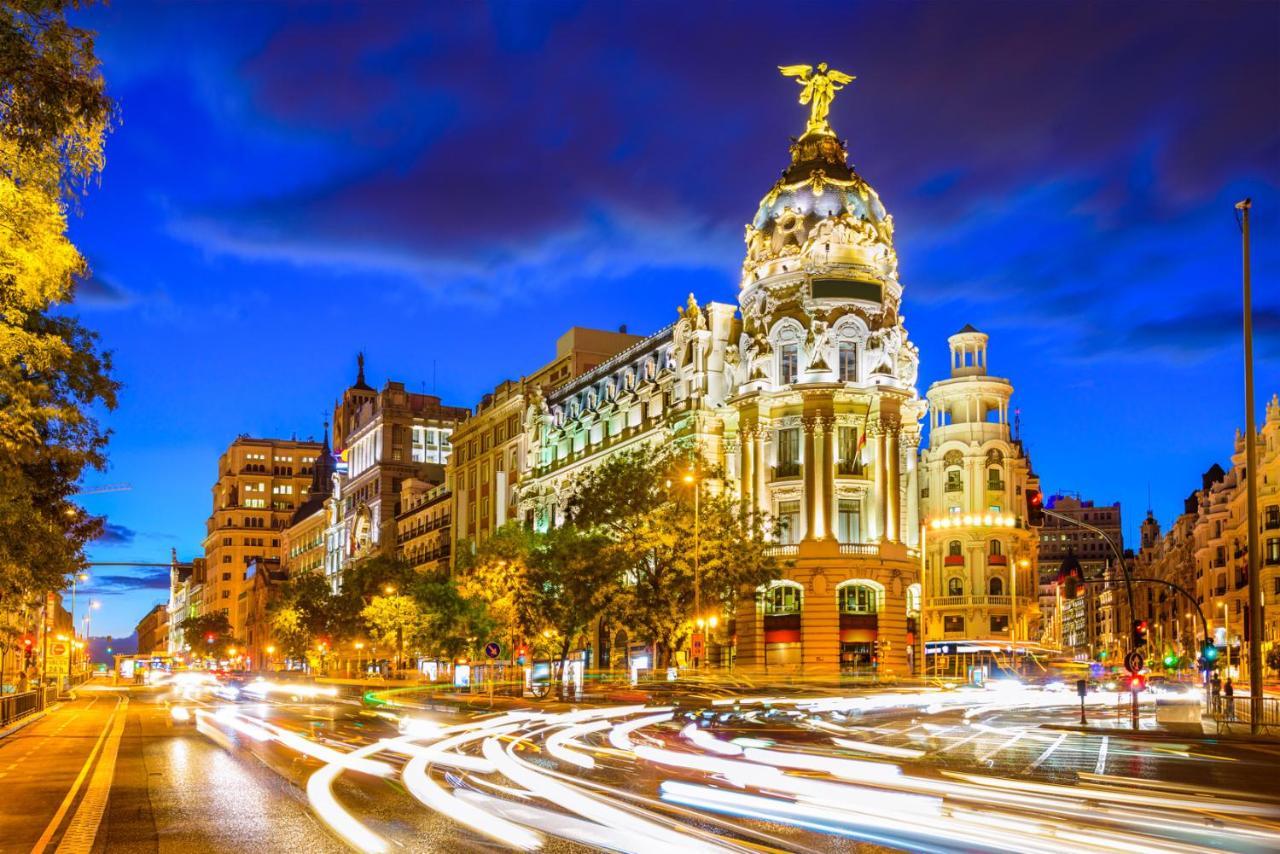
1226	632
1251	488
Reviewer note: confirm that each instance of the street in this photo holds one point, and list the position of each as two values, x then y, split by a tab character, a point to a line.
701	770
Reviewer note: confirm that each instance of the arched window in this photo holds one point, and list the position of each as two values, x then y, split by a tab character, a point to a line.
782	597
995	587
953	548
994	479
995	548
913	600
860	597
955	587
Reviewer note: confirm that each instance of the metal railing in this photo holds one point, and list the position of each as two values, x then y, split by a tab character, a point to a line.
1229	710
14	707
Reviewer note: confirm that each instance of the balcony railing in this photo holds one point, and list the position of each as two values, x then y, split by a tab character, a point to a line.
850	467
953	560
782	550
965	601
865	549
995	485
782	470
953	487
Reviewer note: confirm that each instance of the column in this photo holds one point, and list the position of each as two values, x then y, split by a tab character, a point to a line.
910	442
746	469
811	462
876	431
829	476
762	469
895	484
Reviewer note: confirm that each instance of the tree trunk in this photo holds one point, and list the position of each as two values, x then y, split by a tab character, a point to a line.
564	664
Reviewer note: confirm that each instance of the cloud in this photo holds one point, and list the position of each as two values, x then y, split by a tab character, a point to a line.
101	292
116	535
111	584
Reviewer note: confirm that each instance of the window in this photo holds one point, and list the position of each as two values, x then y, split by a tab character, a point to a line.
1272	554
995	587
226	558
994	480
955	587
789	452
789	522
849	521
782	599
860	599
953	548
953	624
226	594
788	363
1000	623
1272	518
954	483
848	362
850	461
995	548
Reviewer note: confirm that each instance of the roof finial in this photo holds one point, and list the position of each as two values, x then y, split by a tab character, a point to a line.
360	368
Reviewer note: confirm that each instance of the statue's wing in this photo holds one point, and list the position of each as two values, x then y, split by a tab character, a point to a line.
840	77
801	71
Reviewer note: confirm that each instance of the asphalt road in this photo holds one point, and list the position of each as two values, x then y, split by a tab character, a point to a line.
874	771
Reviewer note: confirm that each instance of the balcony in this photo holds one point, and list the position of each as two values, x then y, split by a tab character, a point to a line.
782	550
952	486
997	560
863	549
953	560
850	468
995	486
970	601
786	470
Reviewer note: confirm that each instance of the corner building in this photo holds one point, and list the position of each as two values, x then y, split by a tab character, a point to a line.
806	401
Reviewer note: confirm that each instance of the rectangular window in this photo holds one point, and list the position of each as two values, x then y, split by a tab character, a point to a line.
952	624
1273	551
789	452
789	522
850	460
848	363
849	521
954	482
999	623
788	363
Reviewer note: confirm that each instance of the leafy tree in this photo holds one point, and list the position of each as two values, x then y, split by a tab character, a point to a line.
452	624
676	544
498	574
54	115
208	635
305	611
394	619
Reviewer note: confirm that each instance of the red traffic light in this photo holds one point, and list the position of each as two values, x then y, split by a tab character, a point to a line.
28	642
1137	682
208	638
1035	508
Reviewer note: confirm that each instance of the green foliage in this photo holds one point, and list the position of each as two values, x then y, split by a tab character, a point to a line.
452	624
1273	657
209	635
304	612
54	115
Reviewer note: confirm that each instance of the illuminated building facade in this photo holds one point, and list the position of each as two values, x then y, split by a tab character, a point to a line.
980	583
424	526
1074	624
803	394
302	543
383	438
260	484
153	631
491	446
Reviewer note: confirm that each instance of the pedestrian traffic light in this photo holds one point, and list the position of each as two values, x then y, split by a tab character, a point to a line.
1140	631
1035	508
1209	652
1137	682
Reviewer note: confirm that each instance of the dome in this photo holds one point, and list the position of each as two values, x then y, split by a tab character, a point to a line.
821	212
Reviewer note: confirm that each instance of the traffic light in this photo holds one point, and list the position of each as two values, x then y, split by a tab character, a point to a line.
1071	576
1035	508
1140	631
1170	659
1135	683
1209	652
208	638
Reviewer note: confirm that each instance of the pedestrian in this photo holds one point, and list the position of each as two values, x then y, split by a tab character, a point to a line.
1229	690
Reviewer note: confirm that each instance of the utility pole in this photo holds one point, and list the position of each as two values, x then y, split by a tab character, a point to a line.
1251	490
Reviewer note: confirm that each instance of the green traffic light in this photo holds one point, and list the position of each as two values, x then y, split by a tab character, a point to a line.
1170	659
1102	655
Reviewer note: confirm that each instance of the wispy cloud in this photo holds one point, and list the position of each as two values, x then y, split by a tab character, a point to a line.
116	535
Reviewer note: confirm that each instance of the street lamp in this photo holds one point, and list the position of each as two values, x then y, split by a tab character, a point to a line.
360	656
389	590
1226	632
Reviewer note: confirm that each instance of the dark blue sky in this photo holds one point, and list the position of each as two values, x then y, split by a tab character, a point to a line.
457	185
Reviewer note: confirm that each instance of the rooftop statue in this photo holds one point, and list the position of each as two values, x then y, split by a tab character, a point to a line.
819	90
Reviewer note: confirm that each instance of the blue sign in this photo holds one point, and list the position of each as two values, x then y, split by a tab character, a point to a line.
492	649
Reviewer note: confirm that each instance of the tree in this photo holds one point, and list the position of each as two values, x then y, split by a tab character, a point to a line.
54	115
305	610
497	573
393	619
641	503
209	635
452	624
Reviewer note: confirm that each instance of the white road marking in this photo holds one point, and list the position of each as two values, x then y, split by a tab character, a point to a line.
1048	751
1102	756
993	751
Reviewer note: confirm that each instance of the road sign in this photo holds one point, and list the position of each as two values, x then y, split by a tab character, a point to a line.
1133	661
492	649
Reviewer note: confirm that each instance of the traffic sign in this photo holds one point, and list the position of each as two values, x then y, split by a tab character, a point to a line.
492	649
1133	661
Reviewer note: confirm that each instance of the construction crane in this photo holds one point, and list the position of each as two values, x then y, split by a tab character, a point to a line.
110	487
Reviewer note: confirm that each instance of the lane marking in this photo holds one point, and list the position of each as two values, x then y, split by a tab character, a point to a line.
43	841
80	833
1102	756
1048	751
993	751
962	741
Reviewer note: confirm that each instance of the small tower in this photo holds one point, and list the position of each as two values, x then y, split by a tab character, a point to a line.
968	352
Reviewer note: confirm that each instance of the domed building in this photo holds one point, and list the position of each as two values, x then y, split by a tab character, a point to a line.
822	425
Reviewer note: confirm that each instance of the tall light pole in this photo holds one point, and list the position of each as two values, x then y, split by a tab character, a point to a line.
1251	489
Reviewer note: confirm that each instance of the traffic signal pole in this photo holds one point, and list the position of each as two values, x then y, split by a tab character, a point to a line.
1251	491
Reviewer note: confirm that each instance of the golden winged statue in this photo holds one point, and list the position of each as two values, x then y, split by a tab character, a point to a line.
819	90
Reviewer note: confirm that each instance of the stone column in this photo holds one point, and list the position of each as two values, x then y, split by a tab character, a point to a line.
895	484
811	463
876	435
746	468
762	468
910	443
829	476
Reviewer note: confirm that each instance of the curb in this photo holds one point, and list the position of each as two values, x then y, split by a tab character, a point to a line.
28	720
1159	735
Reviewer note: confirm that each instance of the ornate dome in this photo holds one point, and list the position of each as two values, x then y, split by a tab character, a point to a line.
820	213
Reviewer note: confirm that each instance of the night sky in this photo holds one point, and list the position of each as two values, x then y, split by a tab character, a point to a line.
451	188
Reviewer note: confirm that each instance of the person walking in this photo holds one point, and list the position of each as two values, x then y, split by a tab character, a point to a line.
1229	690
